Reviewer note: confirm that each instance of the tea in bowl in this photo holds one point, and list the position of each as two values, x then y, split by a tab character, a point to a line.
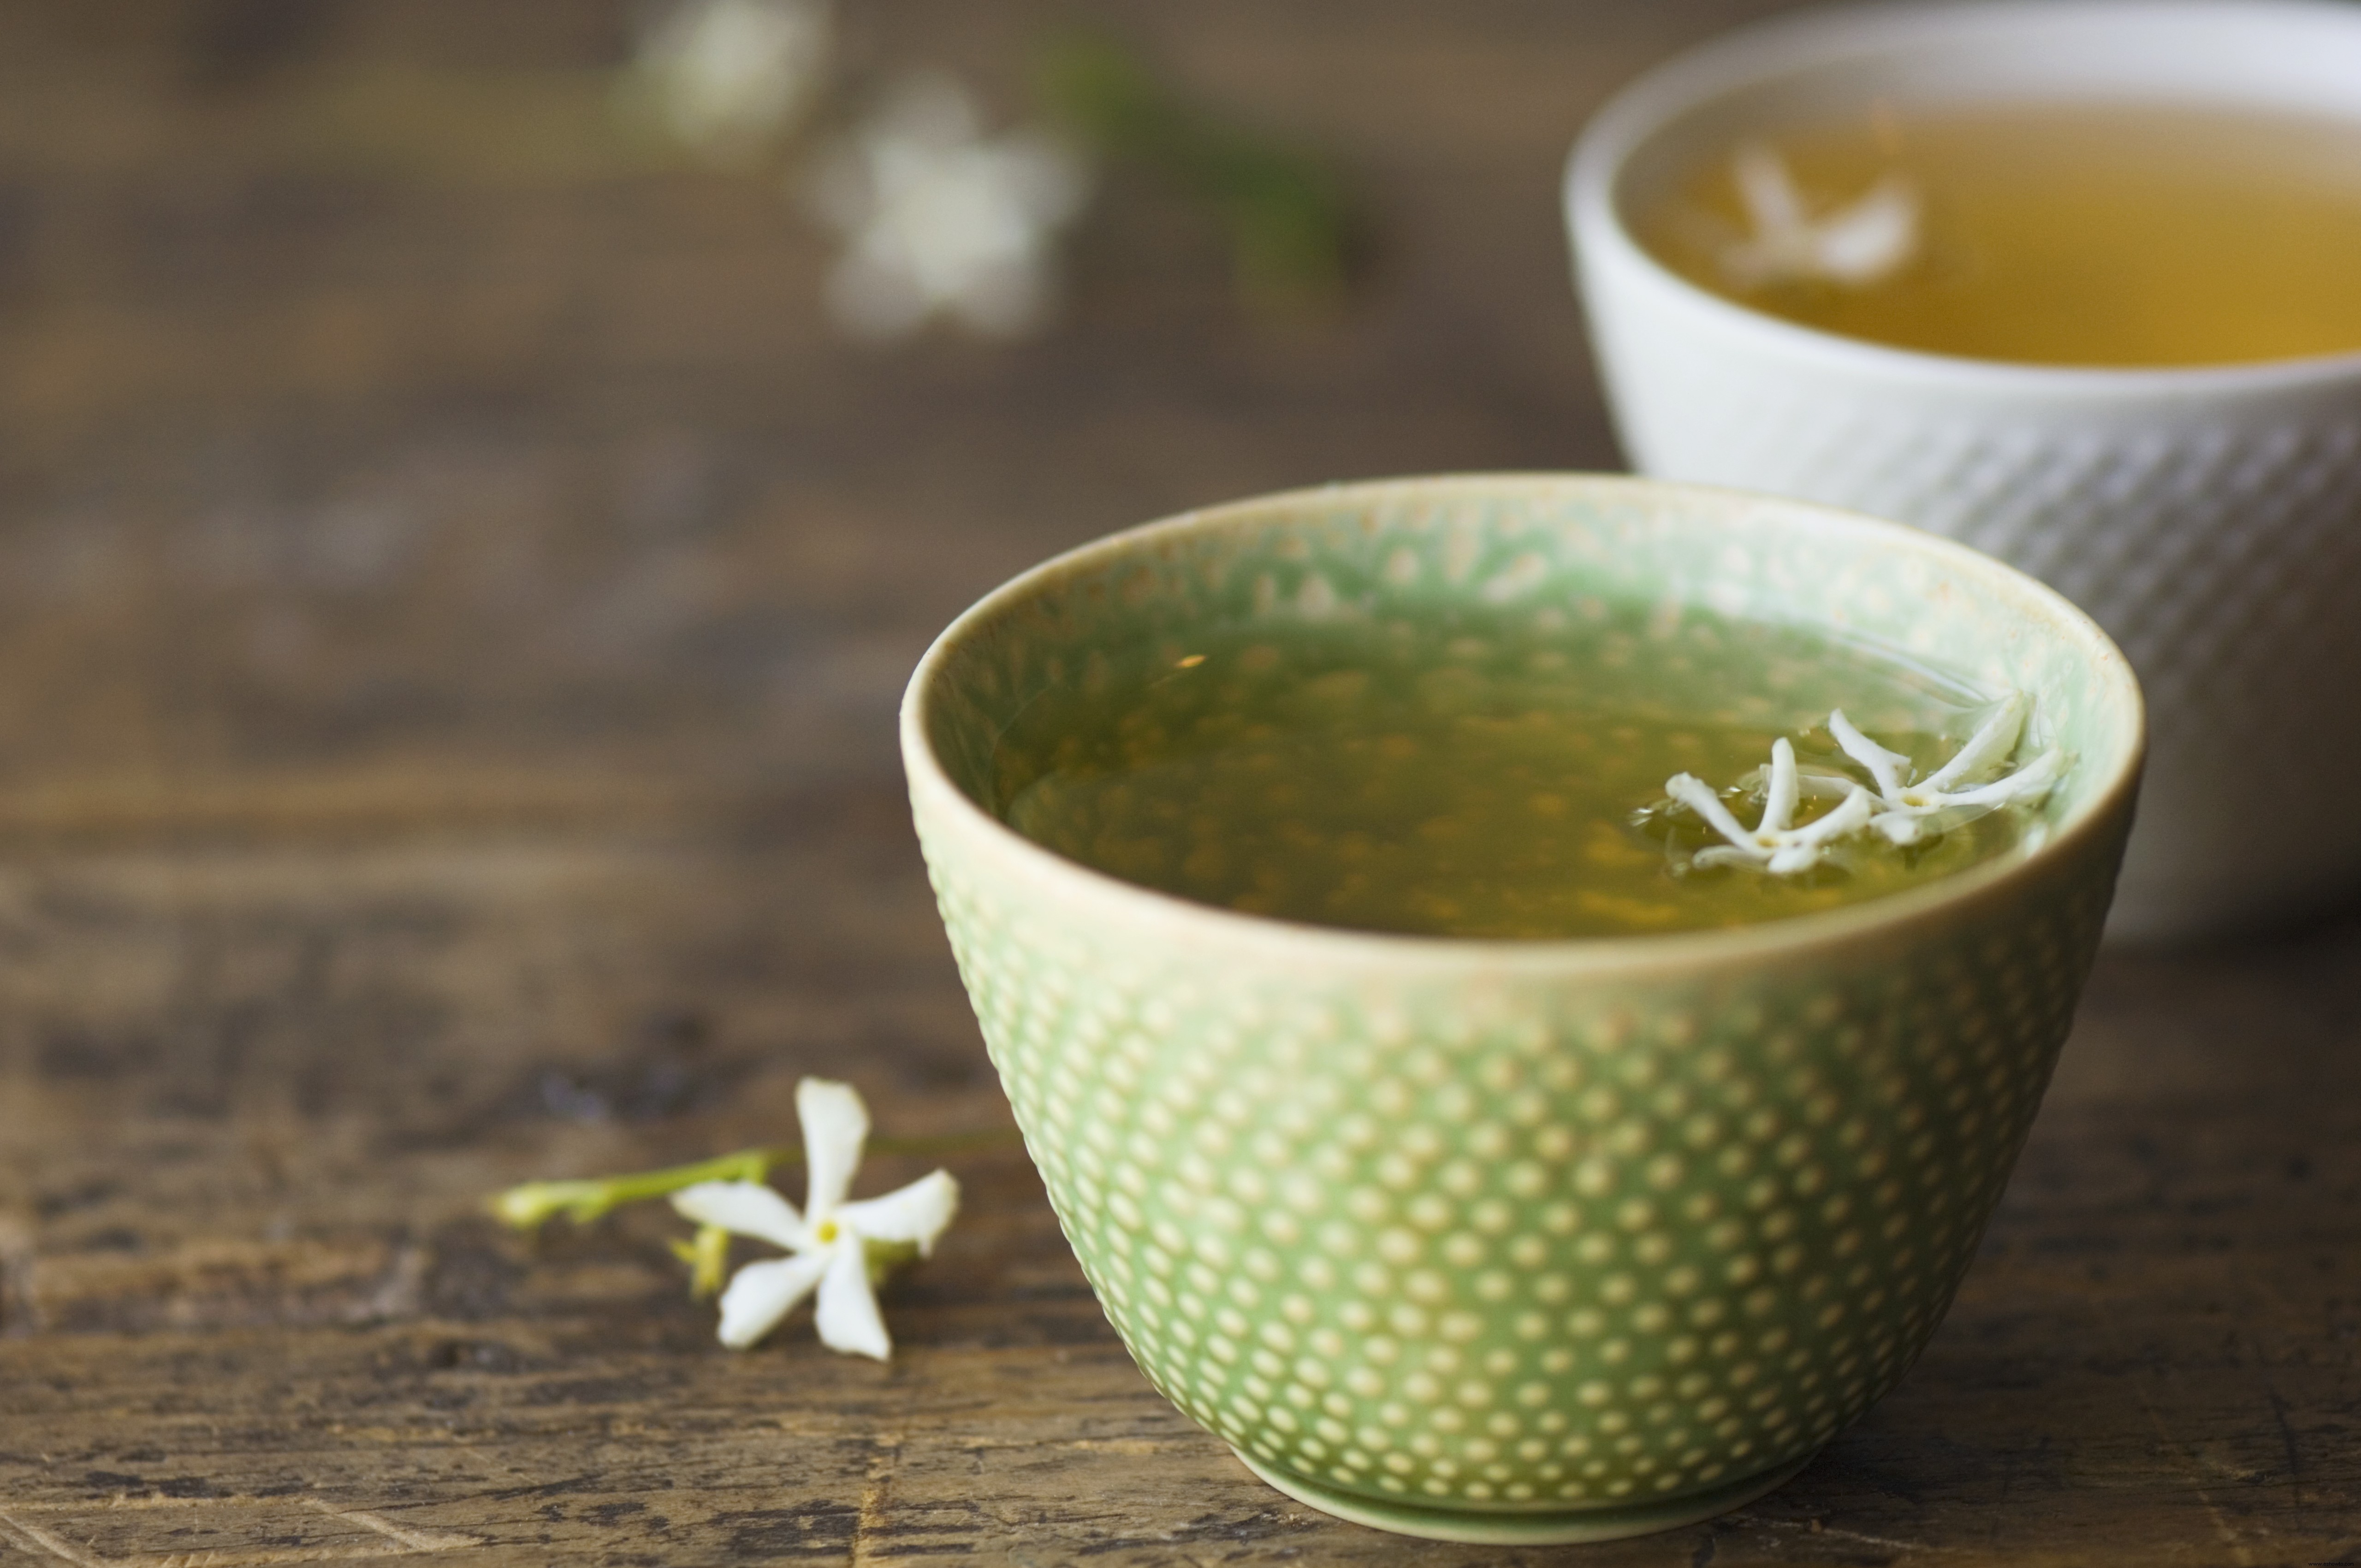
1458	1202
2069	280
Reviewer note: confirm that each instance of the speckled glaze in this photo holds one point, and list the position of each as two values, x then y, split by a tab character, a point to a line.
1523	1242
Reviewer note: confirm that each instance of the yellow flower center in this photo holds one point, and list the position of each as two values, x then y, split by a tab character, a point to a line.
827	1232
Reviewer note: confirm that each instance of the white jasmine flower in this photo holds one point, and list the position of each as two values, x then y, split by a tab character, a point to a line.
1938	802
1856	244
1771	844
726	74
939	219
1958	792
833	1245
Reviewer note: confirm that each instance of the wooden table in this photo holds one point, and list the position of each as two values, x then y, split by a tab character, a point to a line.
453	592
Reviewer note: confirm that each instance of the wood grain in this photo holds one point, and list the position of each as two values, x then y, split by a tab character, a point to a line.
454	590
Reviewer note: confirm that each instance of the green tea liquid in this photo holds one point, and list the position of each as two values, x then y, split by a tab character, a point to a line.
1470	782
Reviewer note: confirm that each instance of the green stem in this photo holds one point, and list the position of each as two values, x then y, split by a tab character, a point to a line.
582	1202
588	1198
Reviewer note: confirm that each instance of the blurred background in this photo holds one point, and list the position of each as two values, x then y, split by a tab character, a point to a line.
421	399
474	479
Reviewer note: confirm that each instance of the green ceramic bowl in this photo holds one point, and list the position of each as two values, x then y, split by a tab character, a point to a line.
1523	1242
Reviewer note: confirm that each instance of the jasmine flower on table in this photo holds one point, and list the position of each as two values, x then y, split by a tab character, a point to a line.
836	1248
1860	244
938	218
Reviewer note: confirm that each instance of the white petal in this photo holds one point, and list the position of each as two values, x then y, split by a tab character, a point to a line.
1899	826
835	1123
1870	238
847	1315
1780	808
1769	192
1730	855
2039	774
1699	797
1814	784
1849	817
2027	783
1934	824
762	1293
748	1207
1882	763
1987	748
913	1213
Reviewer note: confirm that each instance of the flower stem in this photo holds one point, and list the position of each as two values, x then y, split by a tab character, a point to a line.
708	1257
527	1206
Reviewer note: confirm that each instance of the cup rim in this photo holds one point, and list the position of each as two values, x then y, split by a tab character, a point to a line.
1935	901
1731	61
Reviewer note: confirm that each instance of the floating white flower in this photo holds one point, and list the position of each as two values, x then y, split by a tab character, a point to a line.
939	219
1958	792
834	1246
1862	243
726	74
1937	801
1771	844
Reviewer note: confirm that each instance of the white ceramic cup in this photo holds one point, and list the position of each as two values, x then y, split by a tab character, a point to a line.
2209	518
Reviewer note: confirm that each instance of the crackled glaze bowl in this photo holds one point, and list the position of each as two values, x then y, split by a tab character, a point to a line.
2209	518
1523	1242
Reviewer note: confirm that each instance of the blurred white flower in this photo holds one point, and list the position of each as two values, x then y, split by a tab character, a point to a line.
835	1247
939	219
726	74
1857	244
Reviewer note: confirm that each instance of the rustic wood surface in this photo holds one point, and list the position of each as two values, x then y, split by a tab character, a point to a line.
454	590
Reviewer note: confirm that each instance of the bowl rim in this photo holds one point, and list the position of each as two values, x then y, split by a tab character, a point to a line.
1669	92
1937	902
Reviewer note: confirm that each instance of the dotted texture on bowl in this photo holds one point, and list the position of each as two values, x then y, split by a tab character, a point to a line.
1430	1224
1487	1241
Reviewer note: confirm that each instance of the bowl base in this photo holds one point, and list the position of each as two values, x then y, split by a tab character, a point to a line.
1556	1527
